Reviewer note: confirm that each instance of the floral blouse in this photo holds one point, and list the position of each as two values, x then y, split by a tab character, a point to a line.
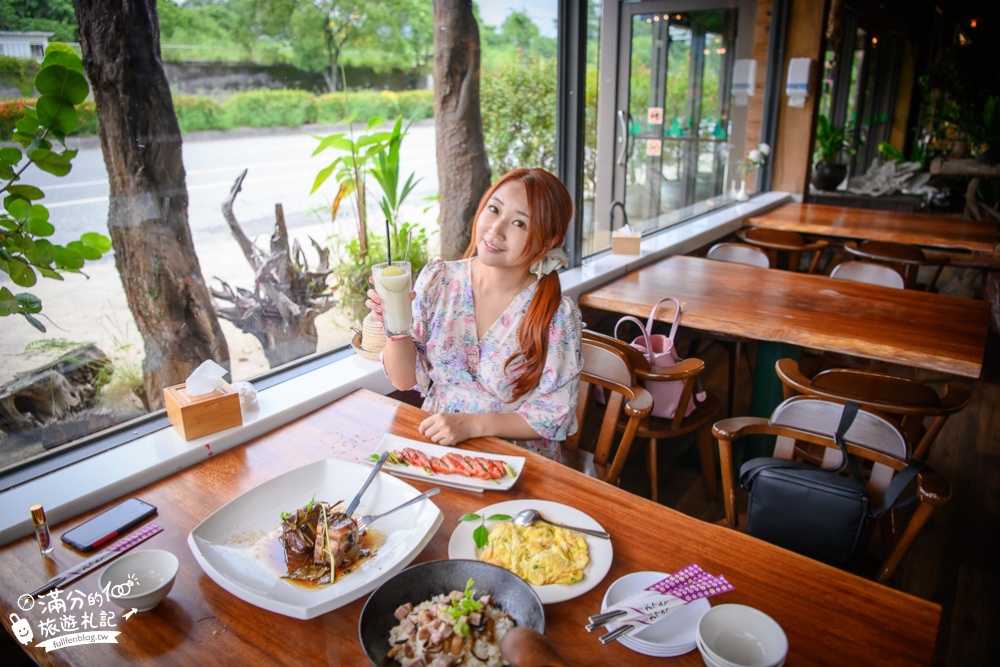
457	372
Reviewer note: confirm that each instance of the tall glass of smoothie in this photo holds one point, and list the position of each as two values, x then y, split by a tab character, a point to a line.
394	284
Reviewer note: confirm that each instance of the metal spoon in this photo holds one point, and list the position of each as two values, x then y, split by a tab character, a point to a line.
357	499
528	517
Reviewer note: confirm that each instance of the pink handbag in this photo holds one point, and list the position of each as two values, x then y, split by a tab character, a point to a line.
659	350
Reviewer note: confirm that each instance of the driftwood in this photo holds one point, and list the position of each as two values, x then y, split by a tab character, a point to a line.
281	309
53	391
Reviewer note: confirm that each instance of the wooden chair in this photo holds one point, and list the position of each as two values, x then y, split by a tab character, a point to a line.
627	404
774	241
750	255
657	429
868	272
873	439
906	259
907	403
739	253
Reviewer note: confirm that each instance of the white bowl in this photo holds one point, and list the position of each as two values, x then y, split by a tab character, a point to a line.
735	635
141	579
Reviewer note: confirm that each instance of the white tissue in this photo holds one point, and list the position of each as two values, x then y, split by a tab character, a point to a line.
205	379
248	396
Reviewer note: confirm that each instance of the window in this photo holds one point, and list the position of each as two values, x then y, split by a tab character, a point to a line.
670	137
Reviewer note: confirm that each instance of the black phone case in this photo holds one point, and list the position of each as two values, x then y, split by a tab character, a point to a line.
112	531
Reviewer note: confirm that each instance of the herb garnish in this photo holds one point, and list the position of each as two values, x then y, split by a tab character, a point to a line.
480	534
464	607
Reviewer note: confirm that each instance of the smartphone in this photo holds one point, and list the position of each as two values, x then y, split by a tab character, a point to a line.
108	524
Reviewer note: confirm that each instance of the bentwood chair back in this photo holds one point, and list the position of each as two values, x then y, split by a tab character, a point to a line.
775	241
626	402
657	429
874	440
736	253
739	253
868	272
905	258
914	406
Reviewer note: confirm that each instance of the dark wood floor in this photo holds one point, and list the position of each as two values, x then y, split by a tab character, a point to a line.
955	561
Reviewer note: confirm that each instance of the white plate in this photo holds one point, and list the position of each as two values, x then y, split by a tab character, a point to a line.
675	635
396	443
238	547
462	545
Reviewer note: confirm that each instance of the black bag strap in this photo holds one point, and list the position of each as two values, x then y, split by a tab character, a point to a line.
754	467
846	419
899	482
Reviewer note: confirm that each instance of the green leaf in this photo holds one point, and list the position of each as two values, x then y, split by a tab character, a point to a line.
62	83
10	155
498	517
29	303
21	273
6	172
469	517
48	273
28	125
69	258
65	58
321	177
18	208
56	114
41	254
29	192
481	536
98	242
8	304
34	322
39	227
57	164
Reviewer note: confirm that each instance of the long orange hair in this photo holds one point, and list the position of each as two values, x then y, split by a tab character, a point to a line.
550	209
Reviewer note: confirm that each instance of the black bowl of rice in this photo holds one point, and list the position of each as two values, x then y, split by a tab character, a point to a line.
424	591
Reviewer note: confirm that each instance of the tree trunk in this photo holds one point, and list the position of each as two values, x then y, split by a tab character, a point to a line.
147	218
463	170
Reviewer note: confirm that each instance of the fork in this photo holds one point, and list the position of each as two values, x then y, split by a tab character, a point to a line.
368	519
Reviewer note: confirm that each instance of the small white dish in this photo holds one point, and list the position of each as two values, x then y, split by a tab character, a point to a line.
140	580
735	635
673	636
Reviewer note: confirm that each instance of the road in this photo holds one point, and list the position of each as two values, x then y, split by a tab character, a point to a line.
280	170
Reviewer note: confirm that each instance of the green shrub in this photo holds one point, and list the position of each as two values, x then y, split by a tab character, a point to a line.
270	108
370	104
416	104
331	108
198	113
19	72
86	119
12	111
518	104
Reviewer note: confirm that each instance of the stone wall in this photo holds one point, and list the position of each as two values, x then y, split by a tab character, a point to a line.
219	80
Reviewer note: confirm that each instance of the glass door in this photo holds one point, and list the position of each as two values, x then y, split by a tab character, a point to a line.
673	110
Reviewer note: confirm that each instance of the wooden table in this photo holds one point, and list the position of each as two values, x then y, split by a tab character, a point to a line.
830	617
936	231
917	329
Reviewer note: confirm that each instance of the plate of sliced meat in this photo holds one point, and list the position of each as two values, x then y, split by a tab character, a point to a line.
448	465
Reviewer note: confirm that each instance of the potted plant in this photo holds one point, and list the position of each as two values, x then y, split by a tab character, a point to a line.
830	142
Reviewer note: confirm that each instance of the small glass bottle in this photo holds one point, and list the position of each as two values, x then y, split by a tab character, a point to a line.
41	529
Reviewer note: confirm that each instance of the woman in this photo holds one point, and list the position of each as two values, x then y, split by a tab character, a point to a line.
495	347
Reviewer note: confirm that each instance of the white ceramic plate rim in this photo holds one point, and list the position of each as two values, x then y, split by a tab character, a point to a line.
223	543
635	582
461	544
395	442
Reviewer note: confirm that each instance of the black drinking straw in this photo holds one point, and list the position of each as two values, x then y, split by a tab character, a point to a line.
388	241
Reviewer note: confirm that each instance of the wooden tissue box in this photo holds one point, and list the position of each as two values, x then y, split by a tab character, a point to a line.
200	415
625	243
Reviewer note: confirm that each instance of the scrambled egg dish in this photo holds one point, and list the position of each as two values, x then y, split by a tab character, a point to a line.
540	554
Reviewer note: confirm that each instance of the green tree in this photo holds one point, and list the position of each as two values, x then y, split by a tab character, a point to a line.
55	16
